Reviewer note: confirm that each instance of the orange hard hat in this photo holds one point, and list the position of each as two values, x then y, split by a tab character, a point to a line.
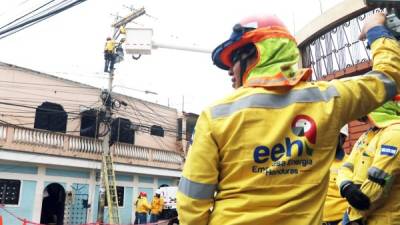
248	31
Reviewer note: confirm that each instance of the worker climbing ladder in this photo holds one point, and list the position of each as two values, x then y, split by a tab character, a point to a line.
111	189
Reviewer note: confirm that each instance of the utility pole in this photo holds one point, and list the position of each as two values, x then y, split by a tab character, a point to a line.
107	107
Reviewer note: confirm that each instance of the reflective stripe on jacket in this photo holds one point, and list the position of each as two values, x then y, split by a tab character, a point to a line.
379	162
263	156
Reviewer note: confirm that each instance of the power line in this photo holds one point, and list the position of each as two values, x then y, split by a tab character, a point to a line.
19	4
15	20
29	22
47	85
31	107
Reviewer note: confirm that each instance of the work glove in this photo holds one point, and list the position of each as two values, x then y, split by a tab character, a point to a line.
355	197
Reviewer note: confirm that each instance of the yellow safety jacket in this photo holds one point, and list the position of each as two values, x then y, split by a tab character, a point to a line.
335	205
142	205
109	46
375	158
157	205
262	156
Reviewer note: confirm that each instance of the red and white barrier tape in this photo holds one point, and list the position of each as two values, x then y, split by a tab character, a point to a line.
27	222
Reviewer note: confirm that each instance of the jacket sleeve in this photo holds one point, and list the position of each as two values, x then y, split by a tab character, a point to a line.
199	179
362	94
345	173
381	173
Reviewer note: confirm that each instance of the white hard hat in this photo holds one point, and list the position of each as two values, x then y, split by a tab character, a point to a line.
158	192
345	130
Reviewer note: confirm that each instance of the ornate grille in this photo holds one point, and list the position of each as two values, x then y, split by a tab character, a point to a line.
337	49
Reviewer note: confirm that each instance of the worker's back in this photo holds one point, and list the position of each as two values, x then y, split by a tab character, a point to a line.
273	149
142	205
262	154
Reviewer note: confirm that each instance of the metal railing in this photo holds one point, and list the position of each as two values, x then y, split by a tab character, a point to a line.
337	49
48	142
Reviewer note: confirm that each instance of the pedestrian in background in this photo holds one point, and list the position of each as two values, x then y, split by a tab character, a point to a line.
157	205
142	208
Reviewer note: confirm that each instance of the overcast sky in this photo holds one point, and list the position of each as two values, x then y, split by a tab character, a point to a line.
71	43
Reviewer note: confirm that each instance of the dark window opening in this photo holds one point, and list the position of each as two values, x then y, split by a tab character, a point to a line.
120	196
157	131
90	123
9	191
180	130
122	131
190	125
51	116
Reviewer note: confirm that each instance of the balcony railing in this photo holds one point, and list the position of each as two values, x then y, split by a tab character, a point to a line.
337	49
52	143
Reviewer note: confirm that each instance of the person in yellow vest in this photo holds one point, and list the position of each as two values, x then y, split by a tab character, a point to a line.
157	205
262	154
109	55
335	205
369	179
142	208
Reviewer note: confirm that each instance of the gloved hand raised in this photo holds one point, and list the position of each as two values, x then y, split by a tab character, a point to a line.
355	197
376	19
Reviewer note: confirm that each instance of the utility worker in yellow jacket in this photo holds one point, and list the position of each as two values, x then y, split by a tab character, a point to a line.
335	205
370	177
109	54
262	154
157	205
142	208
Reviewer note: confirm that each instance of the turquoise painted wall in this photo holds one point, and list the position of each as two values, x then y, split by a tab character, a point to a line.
146	179
95	203
123	177
10	168
25	207
68	173
162	180
126	211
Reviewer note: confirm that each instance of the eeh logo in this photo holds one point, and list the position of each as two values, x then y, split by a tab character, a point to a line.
303	125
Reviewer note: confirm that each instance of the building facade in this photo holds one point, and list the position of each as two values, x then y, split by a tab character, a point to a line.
50	148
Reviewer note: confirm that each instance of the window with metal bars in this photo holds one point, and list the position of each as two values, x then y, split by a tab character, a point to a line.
120	196
9	191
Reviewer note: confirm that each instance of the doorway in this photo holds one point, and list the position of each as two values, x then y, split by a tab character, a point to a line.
53	205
